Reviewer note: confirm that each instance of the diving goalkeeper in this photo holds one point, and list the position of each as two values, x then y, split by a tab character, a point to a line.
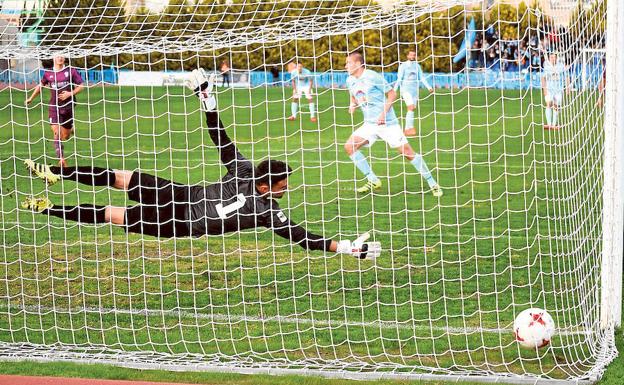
243	199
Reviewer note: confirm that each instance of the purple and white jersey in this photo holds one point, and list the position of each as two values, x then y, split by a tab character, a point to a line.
58	81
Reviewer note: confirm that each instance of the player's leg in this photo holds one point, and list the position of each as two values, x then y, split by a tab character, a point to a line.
308	94
409	121
84	213
393	135
152	220
556	103
361	137
409	117
89	175
155	220
66	133
66	129
421	166
548	111
58	144
294	106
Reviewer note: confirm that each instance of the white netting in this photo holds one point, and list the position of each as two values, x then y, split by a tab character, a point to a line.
519	224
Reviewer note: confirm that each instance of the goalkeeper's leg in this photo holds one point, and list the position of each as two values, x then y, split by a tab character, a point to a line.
89	175
84	213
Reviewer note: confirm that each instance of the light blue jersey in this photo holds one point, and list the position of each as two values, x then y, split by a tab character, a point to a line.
555	77
409	78
369	90
303	79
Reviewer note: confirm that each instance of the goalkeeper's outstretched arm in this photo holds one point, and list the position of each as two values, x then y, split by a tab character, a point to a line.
202	84
360	248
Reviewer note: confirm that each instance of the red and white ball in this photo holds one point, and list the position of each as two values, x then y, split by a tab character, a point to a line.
534	328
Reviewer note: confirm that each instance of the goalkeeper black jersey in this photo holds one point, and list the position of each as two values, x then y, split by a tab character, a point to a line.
234	204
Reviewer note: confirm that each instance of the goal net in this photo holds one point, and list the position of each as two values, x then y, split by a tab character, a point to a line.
529	215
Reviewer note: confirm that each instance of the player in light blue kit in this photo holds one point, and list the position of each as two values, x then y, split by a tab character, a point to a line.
302	82
554	80
368	91
409	79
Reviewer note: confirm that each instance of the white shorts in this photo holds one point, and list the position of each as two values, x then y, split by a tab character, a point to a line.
302	91
391	134
409	98
554	98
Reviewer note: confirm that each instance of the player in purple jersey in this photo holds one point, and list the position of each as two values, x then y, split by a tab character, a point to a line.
63	82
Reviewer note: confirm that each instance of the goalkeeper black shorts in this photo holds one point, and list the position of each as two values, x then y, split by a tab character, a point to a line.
163	208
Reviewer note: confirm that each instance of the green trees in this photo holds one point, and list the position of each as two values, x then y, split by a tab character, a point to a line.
89	22
207	26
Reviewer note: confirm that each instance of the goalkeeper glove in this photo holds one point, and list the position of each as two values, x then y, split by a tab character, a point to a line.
201	84
360	248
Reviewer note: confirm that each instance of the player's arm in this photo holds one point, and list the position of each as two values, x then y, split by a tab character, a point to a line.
77	85
294	82
67	94
544	86
78	82
421	76
201	84
77	89
287	229
231	158
399	81
353	105
568	81
36	91
391	97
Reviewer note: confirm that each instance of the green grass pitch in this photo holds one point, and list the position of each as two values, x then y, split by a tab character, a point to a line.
518	225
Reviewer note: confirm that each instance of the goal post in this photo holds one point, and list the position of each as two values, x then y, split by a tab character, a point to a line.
493	184
613	195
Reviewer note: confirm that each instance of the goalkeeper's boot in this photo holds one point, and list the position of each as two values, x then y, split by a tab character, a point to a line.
42	171
37	204
369	187
437	191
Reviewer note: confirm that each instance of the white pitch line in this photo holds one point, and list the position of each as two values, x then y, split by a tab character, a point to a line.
230	318
22	225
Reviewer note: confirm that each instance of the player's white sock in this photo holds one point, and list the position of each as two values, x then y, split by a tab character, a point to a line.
548	114
362	165
419	163
312	110
409	119
555	114
293	108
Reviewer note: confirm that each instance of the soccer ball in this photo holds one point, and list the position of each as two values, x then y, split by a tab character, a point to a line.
533	328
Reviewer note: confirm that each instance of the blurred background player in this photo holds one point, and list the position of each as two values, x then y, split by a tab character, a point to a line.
368	91
302	82
64	83
409	78
602	83
225	72
554	81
